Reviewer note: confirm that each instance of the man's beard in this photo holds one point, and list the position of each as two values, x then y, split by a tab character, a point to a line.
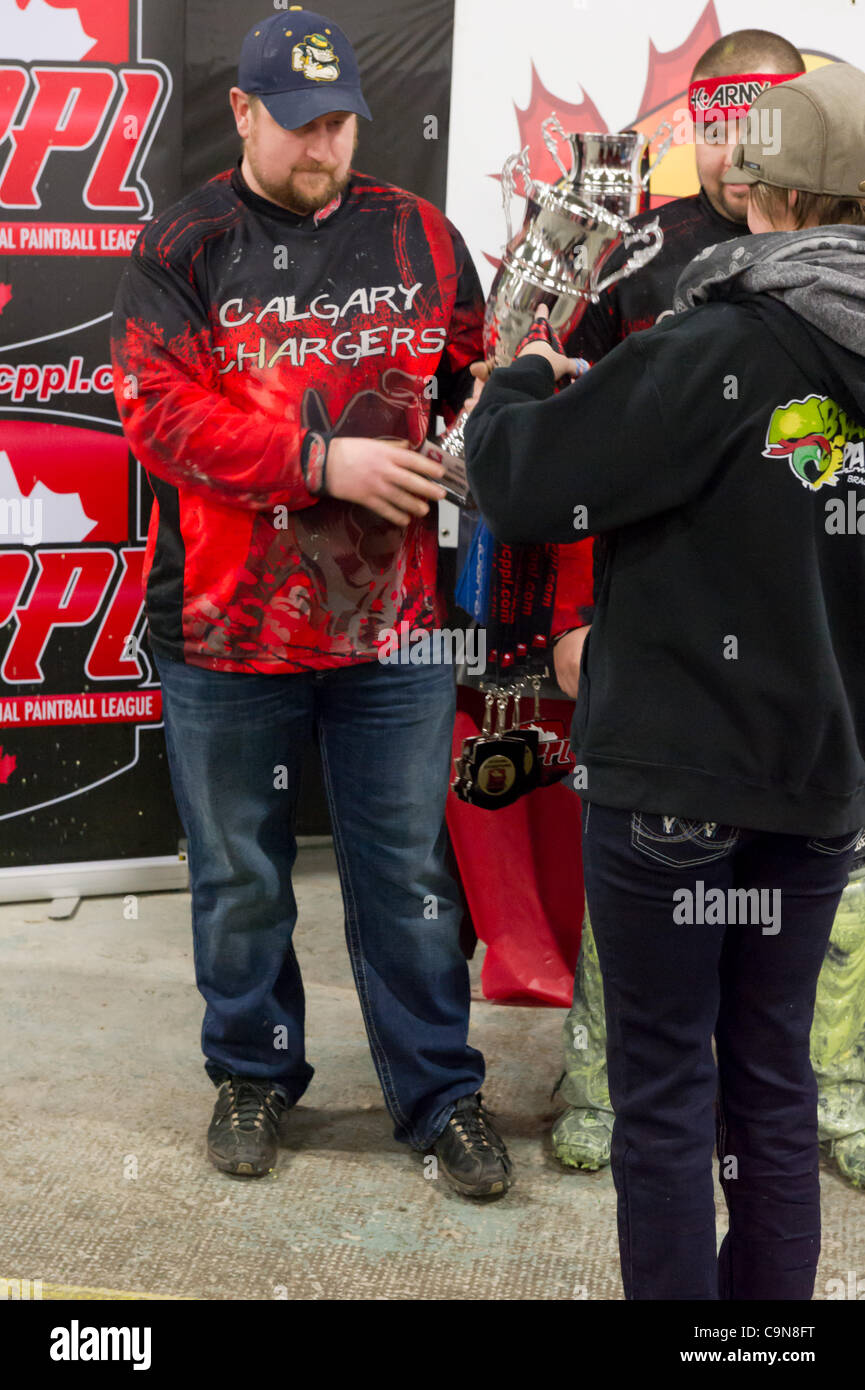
735	209
299	194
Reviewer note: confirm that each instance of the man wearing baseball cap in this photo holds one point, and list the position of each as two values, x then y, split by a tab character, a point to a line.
721	709
278	337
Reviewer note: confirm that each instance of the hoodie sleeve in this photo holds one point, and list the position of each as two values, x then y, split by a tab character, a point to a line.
592	458
178	424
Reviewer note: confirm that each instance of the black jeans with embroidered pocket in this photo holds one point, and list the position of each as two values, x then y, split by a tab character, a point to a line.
707	929
681	843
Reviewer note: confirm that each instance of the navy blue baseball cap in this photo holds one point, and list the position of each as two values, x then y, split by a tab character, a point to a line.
301	65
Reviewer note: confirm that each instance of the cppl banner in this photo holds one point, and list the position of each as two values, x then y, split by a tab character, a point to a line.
90	126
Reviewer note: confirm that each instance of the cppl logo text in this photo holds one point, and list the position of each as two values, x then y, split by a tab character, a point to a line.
69	82
80	108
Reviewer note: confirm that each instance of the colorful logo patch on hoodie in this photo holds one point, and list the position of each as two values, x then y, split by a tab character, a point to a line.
819	440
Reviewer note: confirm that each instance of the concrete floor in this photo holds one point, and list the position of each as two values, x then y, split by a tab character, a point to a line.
107	1193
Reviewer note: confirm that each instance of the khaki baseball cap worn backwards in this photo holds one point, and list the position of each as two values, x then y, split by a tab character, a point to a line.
820	119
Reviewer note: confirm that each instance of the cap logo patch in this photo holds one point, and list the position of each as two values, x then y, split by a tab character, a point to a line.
315	58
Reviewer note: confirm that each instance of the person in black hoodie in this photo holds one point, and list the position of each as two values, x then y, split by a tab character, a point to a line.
721	84
721	708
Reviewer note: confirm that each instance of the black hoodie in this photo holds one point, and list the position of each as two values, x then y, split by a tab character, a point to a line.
721	453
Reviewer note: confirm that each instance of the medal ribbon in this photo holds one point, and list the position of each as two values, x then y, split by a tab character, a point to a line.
521	608
522	584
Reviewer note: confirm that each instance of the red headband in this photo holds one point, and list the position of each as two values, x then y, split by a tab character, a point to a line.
722	98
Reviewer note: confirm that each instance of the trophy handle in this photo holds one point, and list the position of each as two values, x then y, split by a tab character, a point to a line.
652	235
513	163
552	123
664	126
453	441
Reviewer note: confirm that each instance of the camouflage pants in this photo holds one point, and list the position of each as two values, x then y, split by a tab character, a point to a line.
581	1136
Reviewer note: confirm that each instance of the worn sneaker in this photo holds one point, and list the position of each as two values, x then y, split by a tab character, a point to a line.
582	1138
472	1153
243	1137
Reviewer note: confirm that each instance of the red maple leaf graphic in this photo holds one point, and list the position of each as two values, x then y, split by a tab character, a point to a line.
8	763
5	295
669	73
582	116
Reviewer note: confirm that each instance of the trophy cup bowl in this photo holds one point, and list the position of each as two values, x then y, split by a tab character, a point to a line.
605	165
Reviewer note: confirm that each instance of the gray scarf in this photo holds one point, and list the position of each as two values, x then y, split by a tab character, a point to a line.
818	272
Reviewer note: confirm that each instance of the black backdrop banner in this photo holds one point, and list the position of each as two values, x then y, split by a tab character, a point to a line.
404	51
109	111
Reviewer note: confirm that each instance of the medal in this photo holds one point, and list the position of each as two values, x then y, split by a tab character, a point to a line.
497	767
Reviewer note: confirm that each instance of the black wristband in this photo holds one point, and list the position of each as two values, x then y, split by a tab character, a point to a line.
313	462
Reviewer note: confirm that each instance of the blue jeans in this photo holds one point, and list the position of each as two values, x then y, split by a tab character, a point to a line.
235	747
673	976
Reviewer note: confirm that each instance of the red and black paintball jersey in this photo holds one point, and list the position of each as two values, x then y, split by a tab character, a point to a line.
632	304
240	329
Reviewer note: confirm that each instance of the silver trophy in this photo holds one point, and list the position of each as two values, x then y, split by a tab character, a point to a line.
605	165
557	257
